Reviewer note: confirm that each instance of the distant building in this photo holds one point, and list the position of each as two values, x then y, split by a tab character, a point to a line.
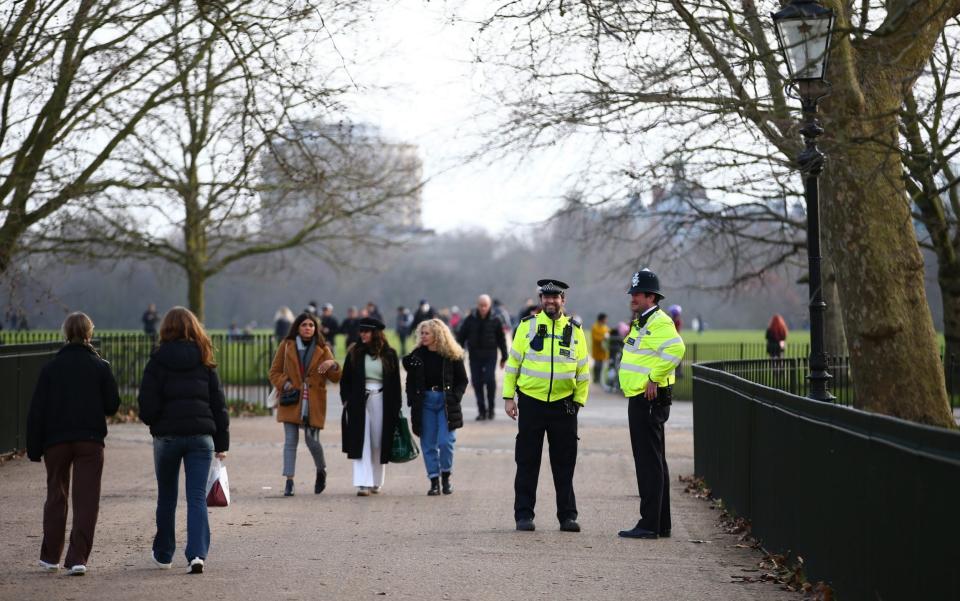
346	168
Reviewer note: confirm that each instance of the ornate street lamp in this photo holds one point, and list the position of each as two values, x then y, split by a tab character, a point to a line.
803	30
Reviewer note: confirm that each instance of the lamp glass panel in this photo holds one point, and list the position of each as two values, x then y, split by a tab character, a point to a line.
805	43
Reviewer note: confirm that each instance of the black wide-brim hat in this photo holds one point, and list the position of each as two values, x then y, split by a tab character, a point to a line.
370	323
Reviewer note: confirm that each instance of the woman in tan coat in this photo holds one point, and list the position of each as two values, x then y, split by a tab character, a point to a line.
300	371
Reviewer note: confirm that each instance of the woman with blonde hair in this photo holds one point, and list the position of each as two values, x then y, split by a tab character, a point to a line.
182	401
300	371
66	426
436	381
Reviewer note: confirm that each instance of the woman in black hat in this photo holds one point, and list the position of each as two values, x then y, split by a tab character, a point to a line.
370	391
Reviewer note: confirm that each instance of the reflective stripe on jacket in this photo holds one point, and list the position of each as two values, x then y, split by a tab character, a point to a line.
553	373
652	352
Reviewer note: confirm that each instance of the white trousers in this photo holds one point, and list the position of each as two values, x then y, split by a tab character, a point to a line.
368	471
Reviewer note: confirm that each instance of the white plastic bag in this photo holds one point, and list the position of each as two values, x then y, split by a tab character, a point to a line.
218	485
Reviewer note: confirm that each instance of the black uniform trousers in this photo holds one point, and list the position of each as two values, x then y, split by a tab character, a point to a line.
483	375
649	458
536	419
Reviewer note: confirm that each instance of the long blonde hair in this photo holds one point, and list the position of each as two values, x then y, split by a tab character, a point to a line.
447	345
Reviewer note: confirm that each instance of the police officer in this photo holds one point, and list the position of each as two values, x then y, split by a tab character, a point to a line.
651	353
547	371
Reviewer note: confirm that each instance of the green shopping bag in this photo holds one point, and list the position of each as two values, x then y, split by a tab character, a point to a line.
404	448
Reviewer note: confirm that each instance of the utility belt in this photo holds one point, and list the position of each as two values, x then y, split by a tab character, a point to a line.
664	397
570	407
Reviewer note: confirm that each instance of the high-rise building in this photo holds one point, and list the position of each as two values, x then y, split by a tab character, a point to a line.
346	174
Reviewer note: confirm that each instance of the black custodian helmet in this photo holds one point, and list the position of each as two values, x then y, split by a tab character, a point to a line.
645	281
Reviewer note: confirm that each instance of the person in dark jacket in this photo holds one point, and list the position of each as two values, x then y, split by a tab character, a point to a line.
66	426
423	313
349	327
482	334
182	401
371	397
436	381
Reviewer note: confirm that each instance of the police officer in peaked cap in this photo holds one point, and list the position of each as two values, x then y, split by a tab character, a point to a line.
651	353
547	372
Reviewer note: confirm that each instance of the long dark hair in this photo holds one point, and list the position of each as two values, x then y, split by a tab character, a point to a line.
377	348
295	328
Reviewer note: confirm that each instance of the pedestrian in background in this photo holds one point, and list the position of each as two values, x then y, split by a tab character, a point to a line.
282	320
371	396
349	327
305	363
482	335
150	319
373	311
66	427
181	399
776	336
329	326
423	313
404	322
598	337
436	381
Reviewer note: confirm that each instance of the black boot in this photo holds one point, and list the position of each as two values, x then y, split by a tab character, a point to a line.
445	478
321	482
288	488
434	487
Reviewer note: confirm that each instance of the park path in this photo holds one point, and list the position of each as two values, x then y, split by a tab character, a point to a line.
399	545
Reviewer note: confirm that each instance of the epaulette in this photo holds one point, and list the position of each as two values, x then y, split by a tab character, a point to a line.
531	316
576	322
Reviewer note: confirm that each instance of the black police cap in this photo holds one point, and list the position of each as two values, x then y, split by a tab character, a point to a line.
551	286
370	323
645	281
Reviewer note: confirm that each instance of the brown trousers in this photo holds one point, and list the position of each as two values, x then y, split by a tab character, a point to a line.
86	458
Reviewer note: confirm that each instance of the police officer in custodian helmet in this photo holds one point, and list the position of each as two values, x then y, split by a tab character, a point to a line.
651	353
547	372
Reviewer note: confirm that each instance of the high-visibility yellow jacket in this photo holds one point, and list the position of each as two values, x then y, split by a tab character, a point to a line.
651	352
553	373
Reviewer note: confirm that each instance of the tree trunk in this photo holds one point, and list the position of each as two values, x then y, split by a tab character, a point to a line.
834	338
196	280
948	276
893	347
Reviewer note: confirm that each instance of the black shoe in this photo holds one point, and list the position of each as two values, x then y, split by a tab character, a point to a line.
288	488
490	414
481	417
569	525
445	481
434	487
321	482
637	532
526	525
665	534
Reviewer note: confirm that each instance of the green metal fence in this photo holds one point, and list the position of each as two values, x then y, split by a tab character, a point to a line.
19	369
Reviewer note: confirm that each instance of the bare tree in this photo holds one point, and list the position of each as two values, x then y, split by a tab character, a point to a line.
680	67
76	79
227	171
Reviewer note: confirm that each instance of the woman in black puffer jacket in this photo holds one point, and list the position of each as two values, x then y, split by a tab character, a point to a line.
66	426
436	380
182	401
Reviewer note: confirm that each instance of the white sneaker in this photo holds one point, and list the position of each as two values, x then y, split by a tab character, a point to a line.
78	570
158	563
196	566
49	567
375	490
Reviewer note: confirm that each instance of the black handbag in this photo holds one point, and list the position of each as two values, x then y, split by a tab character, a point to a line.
290	397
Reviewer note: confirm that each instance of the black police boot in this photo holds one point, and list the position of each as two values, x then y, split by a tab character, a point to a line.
288	488
445	480
637	532
570	525
526	525
434	487
482	416
321	482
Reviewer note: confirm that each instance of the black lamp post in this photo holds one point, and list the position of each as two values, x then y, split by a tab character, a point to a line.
803	33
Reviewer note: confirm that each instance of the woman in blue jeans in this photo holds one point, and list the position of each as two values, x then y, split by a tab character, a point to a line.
436	380
182	401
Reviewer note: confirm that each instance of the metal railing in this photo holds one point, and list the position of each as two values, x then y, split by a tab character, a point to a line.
868	501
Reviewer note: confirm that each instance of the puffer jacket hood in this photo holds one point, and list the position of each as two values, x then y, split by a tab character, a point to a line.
178	355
